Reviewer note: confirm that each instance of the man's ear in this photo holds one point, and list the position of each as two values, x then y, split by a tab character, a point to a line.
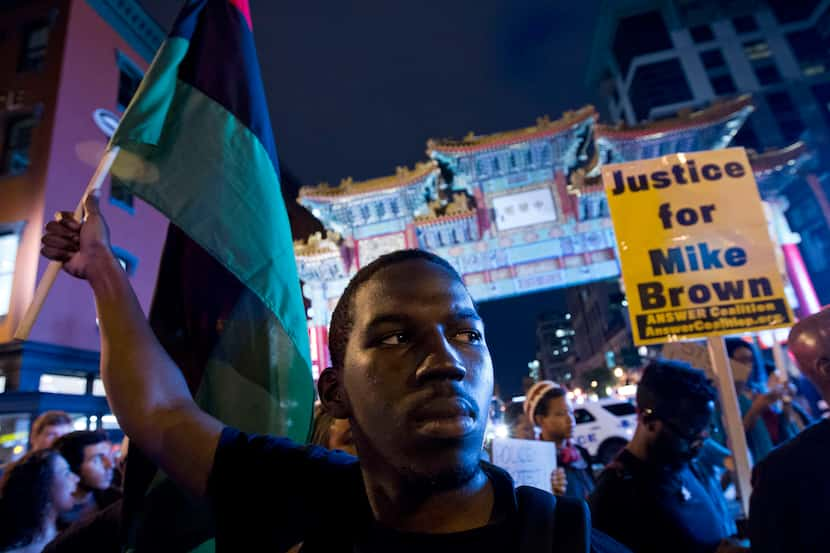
648	420
332	395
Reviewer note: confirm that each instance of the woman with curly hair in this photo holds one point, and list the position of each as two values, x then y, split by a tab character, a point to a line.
33	492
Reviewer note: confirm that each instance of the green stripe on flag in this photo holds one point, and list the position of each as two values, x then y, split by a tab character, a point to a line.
202	168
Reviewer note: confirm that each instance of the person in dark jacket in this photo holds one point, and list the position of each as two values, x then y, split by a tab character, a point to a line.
790	503
650	498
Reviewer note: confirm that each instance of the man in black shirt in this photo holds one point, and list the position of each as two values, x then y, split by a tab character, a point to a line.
410	370
650	498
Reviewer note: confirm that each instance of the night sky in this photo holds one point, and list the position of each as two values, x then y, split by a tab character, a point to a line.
357	88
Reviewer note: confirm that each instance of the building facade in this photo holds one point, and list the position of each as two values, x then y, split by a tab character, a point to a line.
69	68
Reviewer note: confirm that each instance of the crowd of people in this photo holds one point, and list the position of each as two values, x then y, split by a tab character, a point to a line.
395	463
67	476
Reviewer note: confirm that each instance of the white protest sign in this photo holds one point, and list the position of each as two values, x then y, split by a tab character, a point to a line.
529	462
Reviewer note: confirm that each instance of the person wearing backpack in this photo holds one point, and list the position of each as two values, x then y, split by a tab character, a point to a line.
411	372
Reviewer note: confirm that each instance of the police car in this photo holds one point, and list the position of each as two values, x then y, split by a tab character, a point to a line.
604	427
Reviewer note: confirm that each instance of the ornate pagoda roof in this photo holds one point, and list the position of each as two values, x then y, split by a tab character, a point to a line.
318	245
778	159
348	187
713	114
543	127
438	212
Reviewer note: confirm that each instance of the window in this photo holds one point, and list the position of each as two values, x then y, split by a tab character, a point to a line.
59	384
658	84
810	51
481	168
637	35
723	85
760	56
718	72
9	242
712	59
546	153
621	409
582	416
17	143
35	41
767	74
129	77
757	50
702	33
789	120
744	24
14	427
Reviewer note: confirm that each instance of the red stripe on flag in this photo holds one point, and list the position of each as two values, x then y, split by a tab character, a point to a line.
245	10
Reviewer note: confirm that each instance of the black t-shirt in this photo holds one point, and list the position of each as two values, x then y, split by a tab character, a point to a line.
270	493
652	510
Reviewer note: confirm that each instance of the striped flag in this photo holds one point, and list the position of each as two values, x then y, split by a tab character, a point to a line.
196	143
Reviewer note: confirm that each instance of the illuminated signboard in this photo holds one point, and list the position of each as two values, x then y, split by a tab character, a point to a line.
525	208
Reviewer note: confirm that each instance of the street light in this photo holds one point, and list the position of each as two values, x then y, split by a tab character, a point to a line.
594	384
618	372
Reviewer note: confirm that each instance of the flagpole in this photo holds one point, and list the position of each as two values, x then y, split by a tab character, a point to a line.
54	267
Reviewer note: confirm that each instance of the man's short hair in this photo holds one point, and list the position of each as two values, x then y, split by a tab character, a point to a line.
71	446
342	319
50	418
670	388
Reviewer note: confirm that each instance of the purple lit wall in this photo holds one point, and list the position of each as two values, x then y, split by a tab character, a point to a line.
89	80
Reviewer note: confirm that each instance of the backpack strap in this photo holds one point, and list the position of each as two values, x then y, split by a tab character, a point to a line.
537	519
574	522
541	513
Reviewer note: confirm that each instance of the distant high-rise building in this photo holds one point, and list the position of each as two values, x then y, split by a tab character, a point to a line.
598	318
654	58
554	345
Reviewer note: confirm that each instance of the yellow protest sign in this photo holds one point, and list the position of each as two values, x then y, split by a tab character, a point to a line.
696	255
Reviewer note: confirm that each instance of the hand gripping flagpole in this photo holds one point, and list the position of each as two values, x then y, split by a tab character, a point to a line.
54	267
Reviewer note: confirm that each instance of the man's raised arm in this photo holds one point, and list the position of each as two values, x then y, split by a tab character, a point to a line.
146	390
